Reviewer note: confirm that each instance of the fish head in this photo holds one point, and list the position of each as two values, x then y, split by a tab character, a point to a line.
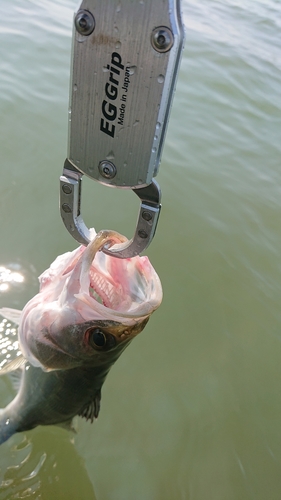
89	308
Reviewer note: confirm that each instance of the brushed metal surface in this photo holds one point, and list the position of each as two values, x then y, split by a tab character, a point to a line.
121	89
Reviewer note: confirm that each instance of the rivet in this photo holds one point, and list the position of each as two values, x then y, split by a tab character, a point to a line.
66	189
146	215
66	208
142	234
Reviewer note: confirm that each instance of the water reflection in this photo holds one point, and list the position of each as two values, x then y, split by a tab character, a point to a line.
9	345
9	278
18	282
43	465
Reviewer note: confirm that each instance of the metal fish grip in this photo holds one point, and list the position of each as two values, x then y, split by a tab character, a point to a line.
125	60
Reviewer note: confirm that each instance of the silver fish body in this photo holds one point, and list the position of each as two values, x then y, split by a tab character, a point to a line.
55	397
88	310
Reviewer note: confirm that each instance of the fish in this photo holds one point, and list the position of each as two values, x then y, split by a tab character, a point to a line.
89	308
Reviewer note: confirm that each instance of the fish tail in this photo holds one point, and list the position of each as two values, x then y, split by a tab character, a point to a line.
7	426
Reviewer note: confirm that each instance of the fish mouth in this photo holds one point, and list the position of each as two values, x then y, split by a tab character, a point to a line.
104	289
116	287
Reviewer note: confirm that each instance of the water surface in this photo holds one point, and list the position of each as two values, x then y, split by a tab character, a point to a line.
192	409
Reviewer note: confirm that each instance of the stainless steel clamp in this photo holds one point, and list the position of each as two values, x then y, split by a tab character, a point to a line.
125	60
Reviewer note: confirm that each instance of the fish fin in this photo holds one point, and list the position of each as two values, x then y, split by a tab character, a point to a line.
90	410
68	425
18	362
11	314
15	378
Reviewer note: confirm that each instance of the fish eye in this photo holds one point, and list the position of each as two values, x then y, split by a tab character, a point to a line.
99	340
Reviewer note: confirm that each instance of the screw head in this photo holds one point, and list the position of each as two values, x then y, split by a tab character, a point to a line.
66	189
162	39
107	169
146	215
66	208
84	22
142	234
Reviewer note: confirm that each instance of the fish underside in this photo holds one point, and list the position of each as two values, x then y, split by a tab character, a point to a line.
89	308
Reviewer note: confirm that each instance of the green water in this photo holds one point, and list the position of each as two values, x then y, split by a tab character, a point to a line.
192	409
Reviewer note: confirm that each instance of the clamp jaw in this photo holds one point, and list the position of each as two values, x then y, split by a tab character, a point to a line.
70	199
125	60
